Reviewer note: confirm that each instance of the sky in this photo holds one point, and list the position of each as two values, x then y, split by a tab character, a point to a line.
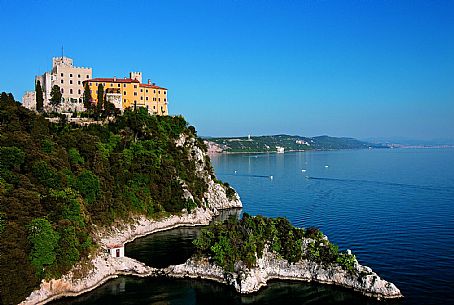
361	69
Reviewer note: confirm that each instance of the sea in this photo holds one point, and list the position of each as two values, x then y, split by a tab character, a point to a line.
394	208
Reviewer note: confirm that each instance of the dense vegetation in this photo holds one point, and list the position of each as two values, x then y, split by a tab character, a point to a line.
290	143
232	241
57	180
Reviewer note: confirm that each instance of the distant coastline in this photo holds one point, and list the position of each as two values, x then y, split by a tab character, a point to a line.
284	143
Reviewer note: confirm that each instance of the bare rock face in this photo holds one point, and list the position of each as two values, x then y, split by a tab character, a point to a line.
245	280
216	196
104	268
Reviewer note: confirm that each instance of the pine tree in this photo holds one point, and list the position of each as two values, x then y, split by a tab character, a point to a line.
39	97
87	97
100	103
55	96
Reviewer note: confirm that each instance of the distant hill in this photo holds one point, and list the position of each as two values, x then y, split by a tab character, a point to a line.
288	142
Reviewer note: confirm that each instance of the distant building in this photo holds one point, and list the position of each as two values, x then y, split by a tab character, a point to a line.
68	78
302	142
116	250
131	93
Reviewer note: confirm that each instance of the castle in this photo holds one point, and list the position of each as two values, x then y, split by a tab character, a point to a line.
122	92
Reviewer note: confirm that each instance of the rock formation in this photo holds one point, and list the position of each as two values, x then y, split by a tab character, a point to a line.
245	280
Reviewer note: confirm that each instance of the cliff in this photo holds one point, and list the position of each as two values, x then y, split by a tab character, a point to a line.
249	280
67	190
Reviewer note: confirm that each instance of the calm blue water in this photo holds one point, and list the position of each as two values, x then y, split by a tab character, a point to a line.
393	208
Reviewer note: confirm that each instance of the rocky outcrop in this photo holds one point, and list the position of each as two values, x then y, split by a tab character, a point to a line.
216	197
104	267
245	280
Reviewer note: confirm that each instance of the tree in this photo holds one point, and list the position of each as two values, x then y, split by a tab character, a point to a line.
100	98
55	96
44	241
39	97
87	97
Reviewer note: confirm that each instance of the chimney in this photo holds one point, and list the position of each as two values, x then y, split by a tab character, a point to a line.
149	81
154	84
115	78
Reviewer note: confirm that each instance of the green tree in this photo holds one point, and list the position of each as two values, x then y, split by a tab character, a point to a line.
75	157
55	96
44	241
87	97
11	157
39	97
2	222
88	185
100	103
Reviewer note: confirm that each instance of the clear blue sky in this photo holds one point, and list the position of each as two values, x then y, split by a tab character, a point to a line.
343	68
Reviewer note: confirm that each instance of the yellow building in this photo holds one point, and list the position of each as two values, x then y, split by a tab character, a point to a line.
134	94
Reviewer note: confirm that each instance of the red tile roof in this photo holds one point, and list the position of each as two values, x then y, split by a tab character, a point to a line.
123	80
112	80
152	86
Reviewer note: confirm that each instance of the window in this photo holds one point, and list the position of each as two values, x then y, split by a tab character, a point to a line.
141	98
154	91
103	84
78	82
146	90
124	85
61	81
78	92
154	107
62	91
61	74
71	81
78	75
135	86
70	75
141	90
87	76
146	98
70	91
89	84
111	84
159	99
118	85
159	92
165	100
165	92
124	92
135	93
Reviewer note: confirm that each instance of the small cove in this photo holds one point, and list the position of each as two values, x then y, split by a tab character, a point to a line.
393	208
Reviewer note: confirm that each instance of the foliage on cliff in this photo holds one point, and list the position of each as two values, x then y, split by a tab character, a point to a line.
244	240
57	180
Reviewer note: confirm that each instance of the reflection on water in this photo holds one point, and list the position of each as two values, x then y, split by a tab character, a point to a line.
169	247
129	290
